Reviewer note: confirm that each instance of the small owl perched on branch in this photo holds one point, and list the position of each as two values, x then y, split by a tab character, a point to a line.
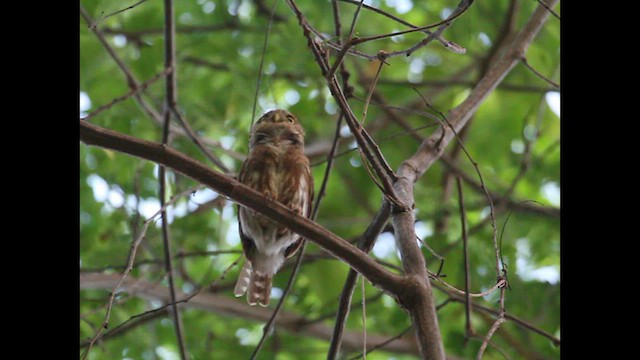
277	167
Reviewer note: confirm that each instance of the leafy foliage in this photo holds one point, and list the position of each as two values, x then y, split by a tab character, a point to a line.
219	45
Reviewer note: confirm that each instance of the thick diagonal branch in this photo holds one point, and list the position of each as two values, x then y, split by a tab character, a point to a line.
431	149
423	310
379	276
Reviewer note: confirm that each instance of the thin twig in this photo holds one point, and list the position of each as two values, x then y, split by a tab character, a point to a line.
159	311
499	285
93	26
370	93
171	97
232	24
494	327
467	84
347	44
496	347
134	84
364	321
464	6
129	266
366	243
197	141
262	56
130	324
381	345
178	255
523	324
482	185
135	91
538	74
222	305
352	29
446	43
372	153
465	249
332	314
549	9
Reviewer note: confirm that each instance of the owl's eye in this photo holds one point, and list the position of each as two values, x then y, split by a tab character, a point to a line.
291	118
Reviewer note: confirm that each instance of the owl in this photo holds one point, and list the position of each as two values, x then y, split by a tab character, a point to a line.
277	167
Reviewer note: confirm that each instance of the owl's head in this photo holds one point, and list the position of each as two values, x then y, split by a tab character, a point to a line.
277	127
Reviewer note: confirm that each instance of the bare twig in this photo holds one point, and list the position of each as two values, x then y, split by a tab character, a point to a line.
428	152
371	89
134	84
262	56
197	141
130	324
365	143
347	44
523	324
381	345
187	29
541	2
494	327
494	346
178	255
467	275
461	8
93	26
137	90
170	99
446	43
364	321
538	74
352	29
129	266
467	83
482	185
499	285
222	305
365	243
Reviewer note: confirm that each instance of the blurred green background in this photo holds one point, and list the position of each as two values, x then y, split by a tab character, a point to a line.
514	137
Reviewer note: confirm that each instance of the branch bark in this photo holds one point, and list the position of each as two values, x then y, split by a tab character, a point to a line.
431	149
225	306
379	276
420	303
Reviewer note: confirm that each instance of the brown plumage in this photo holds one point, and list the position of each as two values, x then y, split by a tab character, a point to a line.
277	167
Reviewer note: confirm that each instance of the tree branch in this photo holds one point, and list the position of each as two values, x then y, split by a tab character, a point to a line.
171	97
134	84
365	243
225	306
422	307
431	149
379	276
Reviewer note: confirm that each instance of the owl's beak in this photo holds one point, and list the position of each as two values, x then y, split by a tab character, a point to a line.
278	117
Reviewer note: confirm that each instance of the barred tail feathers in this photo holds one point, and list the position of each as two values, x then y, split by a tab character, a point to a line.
243	279
259	290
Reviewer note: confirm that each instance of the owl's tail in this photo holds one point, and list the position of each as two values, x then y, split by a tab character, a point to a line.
257	285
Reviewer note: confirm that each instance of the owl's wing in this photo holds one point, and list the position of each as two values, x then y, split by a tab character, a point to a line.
293	248
247	243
